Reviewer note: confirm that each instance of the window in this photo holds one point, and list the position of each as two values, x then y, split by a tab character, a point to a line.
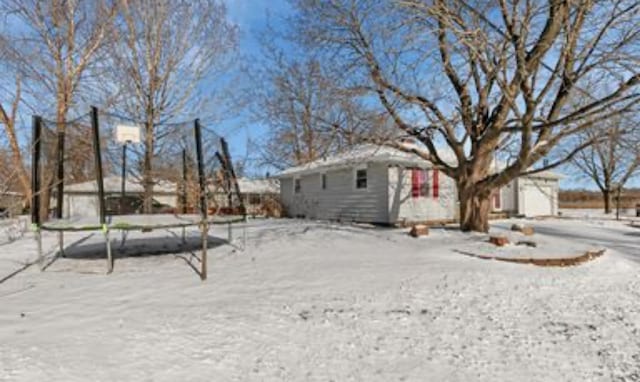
361	178
497	202
419	182
436	183
296	186
323	181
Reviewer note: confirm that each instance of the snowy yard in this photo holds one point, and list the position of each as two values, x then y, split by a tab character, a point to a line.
320	302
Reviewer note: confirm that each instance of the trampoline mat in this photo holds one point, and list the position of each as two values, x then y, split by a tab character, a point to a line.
135	222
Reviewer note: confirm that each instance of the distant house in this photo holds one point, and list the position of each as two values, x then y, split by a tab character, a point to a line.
370	183
81	199
254	194
11	203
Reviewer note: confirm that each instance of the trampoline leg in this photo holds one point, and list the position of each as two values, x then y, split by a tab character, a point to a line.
244	236
39	243
61	243
203	263
229	233
184	236
109	254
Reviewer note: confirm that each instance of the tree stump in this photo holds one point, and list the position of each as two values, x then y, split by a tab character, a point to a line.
524	229
527	231
419	230
500	241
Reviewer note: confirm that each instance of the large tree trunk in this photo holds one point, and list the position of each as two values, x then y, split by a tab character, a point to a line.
606	196
475	206
16	156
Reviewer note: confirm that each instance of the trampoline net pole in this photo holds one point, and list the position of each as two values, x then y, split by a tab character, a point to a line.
95	126
184	181
232	175
35	184
35	171
203	198
60	173
60	186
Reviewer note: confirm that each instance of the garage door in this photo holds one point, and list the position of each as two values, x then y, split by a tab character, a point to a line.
538	199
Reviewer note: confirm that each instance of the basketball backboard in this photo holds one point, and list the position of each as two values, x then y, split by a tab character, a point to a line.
127	134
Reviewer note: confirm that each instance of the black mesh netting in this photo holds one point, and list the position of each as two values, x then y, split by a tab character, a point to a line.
159	163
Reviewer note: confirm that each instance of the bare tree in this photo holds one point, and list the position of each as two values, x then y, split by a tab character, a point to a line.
613	160
166	49
307	114
8	119
52	46
474	78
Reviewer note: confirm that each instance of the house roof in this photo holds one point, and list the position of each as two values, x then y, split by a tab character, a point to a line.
114	184
358	155
369	153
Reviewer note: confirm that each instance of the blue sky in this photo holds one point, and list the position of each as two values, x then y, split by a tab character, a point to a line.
252	17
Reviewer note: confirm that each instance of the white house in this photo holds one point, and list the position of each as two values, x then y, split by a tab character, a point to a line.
379	184
81	199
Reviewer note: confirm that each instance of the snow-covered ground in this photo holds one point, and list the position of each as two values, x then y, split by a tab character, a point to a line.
317	301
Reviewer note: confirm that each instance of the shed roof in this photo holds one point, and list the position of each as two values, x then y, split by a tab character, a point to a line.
357	155
259	186
114	184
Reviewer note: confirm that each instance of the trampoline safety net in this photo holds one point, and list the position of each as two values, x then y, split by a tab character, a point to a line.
146	170
102	171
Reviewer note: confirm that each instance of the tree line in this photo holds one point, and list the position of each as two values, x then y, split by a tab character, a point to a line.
144	59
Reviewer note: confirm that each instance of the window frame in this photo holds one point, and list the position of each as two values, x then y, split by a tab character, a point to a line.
297	185
355	178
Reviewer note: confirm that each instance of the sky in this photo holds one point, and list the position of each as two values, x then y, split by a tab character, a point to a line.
251	17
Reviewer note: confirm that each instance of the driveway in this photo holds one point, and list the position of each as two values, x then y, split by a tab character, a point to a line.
616	236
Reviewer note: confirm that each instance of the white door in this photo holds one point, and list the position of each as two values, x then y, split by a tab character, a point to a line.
538	199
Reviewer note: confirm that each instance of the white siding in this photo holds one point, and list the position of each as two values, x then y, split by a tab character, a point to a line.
341	200
403	207
509	197
537	196
81	205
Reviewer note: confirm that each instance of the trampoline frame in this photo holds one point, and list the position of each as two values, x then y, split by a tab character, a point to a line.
107	224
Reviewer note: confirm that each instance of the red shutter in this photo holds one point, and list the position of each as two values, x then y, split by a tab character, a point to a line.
436	183
424	186
496	200
415	182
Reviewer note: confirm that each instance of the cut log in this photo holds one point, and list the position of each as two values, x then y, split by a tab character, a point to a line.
419	230
527	231
500	241
524	229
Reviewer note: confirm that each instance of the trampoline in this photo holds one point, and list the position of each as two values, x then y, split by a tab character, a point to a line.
136	222
64	157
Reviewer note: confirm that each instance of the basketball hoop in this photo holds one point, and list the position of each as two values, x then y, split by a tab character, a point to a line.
127	134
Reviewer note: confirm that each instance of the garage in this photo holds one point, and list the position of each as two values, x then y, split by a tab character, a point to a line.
538	195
